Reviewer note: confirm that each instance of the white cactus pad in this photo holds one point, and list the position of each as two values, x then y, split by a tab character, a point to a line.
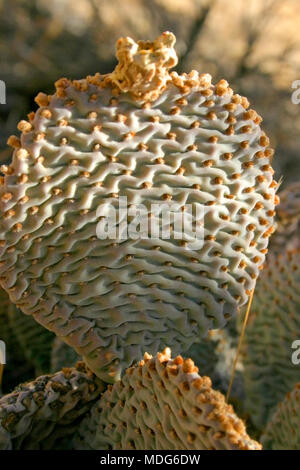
176	139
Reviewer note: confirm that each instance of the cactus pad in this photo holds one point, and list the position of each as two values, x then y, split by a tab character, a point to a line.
163	404
274	324
62	355
153	137
288	219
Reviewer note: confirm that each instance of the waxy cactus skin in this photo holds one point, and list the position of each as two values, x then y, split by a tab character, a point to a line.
152	136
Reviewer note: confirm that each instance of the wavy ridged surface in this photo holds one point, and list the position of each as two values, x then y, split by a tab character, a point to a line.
36	342
39	413
62	355
282	431
88	145
269	372
16	368
163	404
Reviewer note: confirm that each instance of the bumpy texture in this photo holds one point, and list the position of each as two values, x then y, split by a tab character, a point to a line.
274	324
6	333
288	219
62	355
282	431
38	413
163	404
16	368
90	144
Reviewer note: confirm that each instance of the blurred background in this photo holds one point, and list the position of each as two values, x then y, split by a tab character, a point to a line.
254	44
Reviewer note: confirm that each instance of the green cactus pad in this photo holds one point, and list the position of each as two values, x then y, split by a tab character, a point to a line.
274	324
154	138
38	413
163	404
282	431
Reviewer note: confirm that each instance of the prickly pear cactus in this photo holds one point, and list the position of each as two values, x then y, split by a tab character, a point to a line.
153	137
269	372
38	413
282	431
62	355
163	404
